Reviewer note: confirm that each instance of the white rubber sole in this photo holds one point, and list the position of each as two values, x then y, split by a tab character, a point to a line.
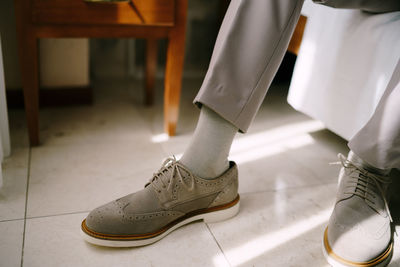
335	263
210	217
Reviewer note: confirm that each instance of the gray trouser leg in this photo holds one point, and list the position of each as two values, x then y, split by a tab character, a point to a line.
250	46
378	142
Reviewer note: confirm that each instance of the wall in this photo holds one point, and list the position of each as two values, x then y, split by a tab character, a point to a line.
9	44
122	57
63	62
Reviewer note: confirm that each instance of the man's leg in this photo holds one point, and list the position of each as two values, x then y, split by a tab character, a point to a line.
207	153
250	46
249	49
359	228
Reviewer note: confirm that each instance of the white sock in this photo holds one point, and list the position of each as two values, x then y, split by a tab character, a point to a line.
207	154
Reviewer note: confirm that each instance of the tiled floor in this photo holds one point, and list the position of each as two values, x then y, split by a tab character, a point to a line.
93	154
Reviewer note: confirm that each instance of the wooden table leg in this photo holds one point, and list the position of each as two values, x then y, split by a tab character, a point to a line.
151	68
30	85
174	68
295	42
28	59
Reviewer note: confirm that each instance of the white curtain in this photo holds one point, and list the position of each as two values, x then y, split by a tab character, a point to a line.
4	131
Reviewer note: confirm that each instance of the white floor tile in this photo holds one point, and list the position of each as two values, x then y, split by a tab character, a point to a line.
72	178
11	233
18	129
319	159
92	124
281	228
13	192
61	245
274	173
93	154
176	145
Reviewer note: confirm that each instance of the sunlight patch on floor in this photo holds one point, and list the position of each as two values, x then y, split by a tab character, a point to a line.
160	138
274	141
258	246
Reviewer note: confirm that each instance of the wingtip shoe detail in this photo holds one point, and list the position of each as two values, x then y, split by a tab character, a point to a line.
172	198
359	229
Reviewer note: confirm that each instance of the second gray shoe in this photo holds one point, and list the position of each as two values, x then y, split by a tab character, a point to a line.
359	230
173	197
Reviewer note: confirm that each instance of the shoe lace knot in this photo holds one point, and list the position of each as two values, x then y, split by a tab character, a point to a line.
169	175
365	184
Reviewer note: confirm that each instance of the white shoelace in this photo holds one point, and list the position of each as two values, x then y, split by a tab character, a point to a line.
165	180
362	183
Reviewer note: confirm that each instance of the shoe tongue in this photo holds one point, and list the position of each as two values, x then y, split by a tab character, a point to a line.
365	180
356	160
162	172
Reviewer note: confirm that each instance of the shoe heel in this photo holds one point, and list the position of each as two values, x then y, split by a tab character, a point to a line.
221	215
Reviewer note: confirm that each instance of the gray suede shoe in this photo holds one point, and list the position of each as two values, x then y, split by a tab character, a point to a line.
359	231
173	197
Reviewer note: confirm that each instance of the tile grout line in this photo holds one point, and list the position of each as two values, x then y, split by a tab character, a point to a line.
46	216
219	246
26	204
59	214
12	220
293	158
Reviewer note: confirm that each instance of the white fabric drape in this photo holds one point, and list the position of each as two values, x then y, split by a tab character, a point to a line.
344	65
4	131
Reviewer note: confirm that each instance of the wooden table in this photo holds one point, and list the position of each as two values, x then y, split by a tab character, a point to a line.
148	19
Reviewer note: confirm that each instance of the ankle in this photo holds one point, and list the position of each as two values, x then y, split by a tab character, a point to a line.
205	170
359	161
207	153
